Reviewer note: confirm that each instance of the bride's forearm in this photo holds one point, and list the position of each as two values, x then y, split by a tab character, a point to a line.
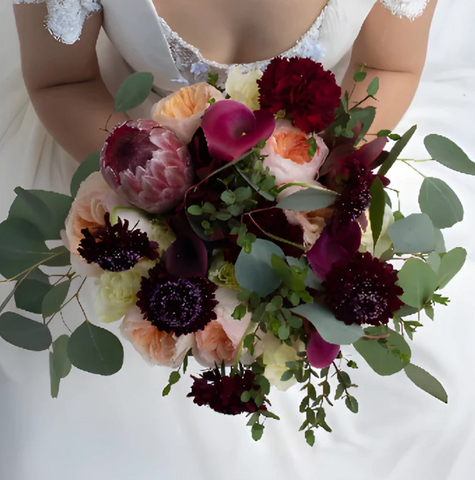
77	114
396	92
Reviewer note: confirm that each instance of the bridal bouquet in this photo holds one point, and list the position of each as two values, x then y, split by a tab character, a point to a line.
253	228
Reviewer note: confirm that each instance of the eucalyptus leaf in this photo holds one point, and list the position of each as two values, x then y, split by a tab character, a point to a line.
90	165
24	332
308	200
399	146
413	234
61	362
55	298
290	278
30	294
449	154
95	350
440	203
366	117
373	87
439	241
55	380
419	282
254	271
451	263
133	91
426	382
380	358
376	209
59	257
434	261
331	330
246	177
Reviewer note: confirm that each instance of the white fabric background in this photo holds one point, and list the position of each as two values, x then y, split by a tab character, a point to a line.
117	429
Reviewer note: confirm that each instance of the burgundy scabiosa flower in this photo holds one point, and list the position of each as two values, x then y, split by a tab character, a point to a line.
223	393
179	305
303	89
148	165
362	289
116	248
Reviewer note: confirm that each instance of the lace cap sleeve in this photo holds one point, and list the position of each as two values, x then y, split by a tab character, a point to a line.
66	17
406	8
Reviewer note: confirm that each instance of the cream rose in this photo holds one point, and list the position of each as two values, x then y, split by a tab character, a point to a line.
117	291
312	223
276	355
384	242
220	340
181	111
156	347
243	87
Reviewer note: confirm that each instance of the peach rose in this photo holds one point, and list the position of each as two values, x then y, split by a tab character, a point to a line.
94	199
181	111
220	340
287	156
156	347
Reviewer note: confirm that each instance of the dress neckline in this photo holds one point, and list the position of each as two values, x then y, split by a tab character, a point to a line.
170	33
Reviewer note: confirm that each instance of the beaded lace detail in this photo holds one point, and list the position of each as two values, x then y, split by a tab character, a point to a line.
193	67
406	8
66	17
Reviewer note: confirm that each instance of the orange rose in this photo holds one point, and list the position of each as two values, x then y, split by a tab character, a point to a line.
156	347
181	111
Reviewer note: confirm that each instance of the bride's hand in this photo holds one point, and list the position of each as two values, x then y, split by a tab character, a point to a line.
393	49
64	82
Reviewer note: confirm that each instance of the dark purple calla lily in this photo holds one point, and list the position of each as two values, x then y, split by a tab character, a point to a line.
320	353
336	242
187	257
231	129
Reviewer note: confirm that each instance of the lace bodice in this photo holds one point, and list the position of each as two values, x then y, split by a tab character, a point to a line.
66	18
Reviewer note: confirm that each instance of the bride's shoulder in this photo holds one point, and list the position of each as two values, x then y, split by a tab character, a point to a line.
66	18
406	8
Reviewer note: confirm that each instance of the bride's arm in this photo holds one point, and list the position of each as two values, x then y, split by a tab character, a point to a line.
64	82
394	50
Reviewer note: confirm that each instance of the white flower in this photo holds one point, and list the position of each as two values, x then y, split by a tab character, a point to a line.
243	87
276	355
117	291
384	242
162	234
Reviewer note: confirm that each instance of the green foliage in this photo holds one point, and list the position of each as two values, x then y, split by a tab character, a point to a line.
426	382
377	207
451	263
59	363
308	200
31	291
172	380
134	91
54	298
440	203
95	350
419	282
396	151
449	154
88	166
373	87
413	234
24	333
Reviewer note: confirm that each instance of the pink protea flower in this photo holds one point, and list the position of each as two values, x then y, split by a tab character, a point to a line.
147	164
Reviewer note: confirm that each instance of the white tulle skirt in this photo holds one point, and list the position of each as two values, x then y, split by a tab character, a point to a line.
119	428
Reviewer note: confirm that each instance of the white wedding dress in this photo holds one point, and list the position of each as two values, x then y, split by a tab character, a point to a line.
120	428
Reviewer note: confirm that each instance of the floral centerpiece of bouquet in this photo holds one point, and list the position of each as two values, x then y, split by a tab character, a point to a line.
251	228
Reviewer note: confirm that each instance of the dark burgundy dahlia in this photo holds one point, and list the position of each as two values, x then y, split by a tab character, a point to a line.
178	305
223	393
362	289
303	89
116	248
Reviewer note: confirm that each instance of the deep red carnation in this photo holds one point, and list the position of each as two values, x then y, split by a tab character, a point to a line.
303	89
223	393
363	290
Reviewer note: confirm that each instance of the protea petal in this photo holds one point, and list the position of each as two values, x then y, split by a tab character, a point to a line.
231	129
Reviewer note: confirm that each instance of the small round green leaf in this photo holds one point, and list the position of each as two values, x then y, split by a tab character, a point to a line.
426	382
95	350
380	358
30	294
133	91
331	329
440	203
90	165
24	333
419	282
254	270
55	298
413	234
449	154
308	200
451	263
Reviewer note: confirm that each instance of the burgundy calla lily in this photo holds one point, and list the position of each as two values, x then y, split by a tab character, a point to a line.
187	257
320	353
231	129
337	241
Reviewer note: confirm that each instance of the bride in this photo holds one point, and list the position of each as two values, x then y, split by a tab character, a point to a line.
120	428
